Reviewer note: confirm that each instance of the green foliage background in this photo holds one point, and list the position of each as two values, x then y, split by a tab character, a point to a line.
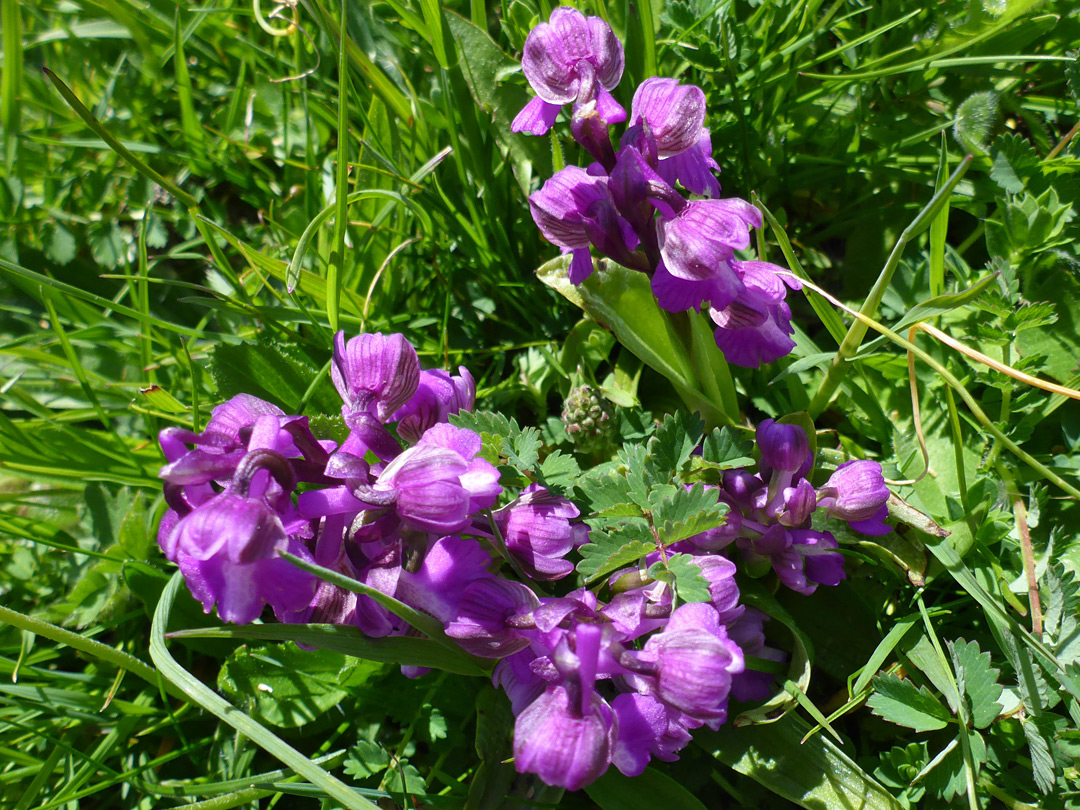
137	295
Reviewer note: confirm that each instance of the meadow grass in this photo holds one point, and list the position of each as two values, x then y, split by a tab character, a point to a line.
195	198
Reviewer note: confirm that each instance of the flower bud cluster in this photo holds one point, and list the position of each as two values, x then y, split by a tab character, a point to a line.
626	205
406	505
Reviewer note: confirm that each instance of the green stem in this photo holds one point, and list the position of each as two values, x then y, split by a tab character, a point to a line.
200	694
853	339
337	259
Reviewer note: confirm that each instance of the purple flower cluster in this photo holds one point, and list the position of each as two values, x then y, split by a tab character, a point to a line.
771	510
597	684
406	505
626	204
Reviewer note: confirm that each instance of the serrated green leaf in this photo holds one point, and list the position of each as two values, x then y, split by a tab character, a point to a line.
366	759
724	449
523	450
631	461
659	494
1062	618
60	245
493	424
404	778
904	703
599	492
558	471
494	429
1014	161
1039	731
977	681
681	571
688	512
109	245
671	445
157	236
613	546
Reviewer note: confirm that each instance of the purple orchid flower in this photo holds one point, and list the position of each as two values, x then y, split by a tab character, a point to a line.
856	492
575	209
437	484
698	245
756	328
675	115
438	396
538	532
572	59
228	547
567	735
374	373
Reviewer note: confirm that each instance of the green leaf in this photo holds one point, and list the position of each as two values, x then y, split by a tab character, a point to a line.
688	512
484	66
631	461
977	680
278	372
685	575
559	471
1062	619
647	791
523	450
108	245
1014	162
502	437
617	544
605	494
622	299
284	685
945	774
60	245
939	305
366	759
404	778
904	703
816	774
1039	731
924	656
671	445
723	448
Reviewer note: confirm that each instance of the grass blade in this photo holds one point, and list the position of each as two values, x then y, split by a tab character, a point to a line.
200	694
